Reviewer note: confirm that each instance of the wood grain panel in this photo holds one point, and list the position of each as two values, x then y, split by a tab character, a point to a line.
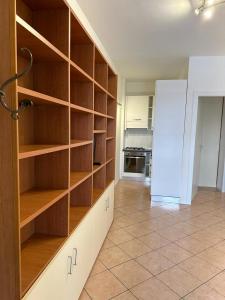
81	195
53	24
9	217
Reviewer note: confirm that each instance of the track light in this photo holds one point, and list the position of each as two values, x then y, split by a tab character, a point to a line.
206	6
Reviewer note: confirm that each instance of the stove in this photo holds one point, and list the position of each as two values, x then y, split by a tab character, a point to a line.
136	149
137	160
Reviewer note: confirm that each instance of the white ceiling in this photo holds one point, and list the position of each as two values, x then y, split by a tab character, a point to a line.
152	39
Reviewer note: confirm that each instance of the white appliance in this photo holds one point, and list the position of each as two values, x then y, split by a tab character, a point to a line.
168	140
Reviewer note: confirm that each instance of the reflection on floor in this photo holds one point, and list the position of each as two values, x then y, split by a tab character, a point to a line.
158	251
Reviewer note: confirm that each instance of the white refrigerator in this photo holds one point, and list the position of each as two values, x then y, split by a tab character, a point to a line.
168	140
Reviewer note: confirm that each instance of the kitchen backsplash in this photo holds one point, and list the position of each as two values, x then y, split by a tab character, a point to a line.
138	138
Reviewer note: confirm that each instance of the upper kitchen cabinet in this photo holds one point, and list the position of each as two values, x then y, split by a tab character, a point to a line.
137	112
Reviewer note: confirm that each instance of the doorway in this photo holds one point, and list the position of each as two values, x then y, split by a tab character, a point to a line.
209	144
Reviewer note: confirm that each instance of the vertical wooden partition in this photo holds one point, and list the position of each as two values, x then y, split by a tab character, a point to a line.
9	216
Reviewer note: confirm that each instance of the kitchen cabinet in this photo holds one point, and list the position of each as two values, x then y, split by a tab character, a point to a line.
137	112
66	275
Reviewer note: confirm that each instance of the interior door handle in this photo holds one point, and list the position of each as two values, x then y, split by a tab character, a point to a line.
70	260
75	256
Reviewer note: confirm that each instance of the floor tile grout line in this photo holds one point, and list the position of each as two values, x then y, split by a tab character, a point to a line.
206	284
174	242
175	265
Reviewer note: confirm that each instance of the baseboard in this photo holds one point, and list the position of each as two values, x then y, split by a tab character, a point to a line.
166	199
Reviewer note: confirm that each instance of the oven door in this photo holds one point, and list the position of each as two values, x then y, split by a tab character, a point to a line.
134	164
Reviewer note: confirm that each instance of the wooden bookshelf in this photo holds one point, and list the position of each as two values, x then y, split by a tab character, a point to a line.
99	183
65	142
80	202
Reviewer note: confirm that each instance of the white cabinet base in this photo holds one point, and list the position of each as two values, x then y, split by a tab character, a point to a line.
166	199
66	275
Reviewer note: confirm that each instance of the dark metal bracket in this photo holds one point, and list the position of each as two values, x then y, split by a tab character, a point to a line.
24	103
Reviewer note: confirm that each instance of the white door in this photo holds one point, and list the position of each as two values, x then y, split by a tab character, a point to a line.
210	142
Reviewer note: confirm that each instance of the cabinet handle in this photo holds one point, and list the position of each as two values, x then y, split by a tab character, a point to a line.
75	256
106	205
108	202
70	265
137	119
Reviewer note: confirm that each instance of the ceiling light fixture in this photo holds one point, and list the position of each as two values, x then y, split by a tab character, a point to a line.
206	6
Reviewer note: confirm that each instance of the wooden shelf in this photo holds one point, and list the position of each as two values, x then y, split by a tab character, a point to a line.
110	138
101	70
38	98
34	202
77	178
80	109
39	46
99	153
26	151
99	181
77	74
110	171
110	117
112	82
96	194
99	131
79	143
36	253
82	48
97	167
109	160
76	215
50	21
110	149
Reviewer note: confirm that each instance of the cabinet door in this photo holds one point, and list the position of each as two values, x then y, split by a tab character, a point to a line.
53	282
82	258
137	112
110	205
100	228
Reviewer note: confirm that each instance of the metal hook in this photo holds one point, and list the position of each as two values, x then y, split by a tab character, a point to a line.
24	103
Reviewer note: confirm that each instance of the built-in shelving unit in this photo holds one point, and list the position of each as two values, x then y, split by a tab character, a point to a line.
66	140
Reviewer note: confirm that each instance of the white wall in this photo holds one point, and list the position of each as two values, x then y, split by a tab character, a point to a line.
140	87
138	138
206	78
221	166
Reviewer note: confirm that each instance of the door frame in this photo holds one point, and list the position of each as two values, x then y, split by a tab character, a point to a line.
189	139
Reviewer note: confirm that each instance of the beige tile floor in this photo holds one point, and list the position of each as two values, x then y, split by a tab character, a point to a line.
157	251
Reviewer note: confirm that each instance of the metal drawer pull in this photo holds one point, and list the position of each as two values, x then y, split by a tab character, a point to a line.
108	202
70	266
75	256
